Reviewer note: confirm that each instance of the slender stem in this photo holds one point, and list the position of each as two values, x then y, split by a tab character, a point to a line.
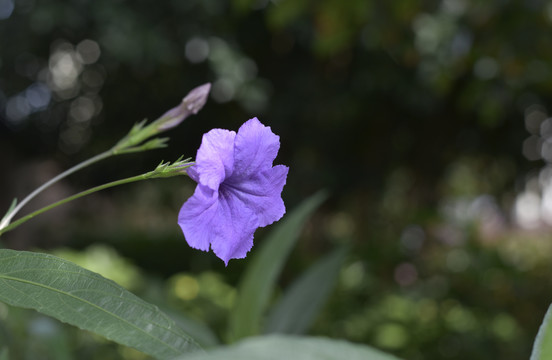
52	181
73	197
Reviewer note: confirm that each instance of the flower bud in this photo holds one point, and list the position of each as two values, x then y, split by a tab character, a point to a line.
190	105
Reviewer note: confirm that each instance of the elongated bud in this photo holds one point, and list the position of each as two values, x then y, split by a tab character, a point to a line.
190	105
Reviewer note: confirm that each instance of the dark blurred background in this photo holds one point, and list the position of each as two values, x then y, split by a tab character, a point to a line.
426	120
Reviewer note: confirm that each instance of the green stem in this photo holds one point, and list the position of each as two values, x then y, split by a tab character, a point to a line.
76	196
92	160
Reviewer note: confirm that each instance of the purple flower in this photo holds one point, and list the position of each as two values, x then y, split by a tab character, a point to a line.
238	190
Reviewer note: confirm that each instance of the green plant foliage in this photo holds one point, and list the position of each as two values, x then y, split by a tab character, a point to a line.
200	332
277	347
258	281
301	303
72	294
423	118
542	349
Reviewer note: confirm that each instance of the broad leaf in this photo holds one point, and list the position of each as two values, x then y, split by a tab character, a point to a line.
278	347
258	281
74	295
301	303
542	348
199	331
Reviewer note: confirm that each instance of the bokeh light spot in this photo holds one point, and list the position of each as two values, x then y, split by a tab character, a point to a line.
504	327
427	310
412	238
533	147
353	275
82	109
535	115
186	287
527	210
341	225
544	148
406	274
45	327
458	260
486	68
391	336
460	319
17	108
454	7
197	50
223	90
6	9
38	96
89	51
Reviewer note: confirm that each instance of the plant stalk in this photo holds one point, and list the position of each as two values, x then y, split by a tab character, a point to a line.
92	160
74	197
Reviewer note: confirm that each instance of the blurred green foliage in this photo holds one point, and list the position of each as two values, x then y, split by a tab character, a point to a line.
427	121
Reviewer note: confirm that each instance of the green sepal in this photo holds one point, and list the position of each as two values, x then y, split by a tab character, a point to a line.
168	169
156	143
135	136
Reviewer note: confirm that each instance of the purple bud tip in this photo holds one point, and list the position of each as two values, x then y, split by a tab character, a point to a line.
190	105
196	98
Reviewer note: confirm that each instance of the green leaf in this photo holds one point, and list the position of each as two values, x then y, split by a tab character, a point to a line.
201	333
74	295
258	281
299	306
278	347
4	354
542	348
